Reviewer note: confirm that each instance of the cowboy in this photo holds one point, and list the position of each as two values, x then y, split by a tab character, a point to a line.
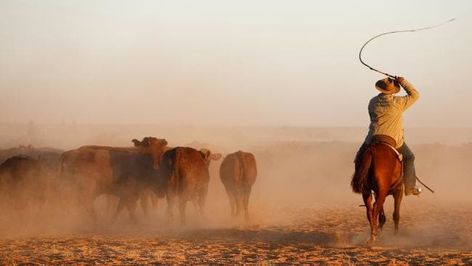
385	112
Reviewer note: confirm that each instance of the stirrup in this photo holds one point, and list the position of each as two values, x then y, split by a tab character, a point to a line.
413	191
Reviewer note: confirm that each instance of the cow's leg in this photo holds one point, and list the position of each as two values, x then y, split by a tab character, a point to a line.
87	200
119	208
41	196
239	201
196	206
18	200
182	204
234	203
397	197
88	191
91	210
154	200
111	204
202	200
148	201
246	194
232	200
171	199
144	202
131	205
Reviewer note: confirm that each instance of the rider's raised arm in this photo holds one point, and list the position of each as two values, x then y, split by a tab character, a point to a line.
411	97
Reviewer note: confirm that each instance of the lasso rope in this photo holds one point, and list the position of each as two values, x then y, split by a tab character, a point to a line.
390	32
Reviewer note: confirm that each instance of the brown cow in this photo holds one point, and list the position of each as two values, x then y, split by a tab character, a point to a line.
22	183
147	197
238	172
149	145
48	157
123	172
186	172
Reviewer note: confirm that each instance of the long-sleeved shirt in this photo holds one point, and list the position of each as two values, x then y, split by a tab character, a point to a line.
386	111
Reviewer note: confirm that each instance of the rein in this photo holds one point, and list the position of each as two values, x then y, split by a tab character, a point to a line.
399	155
432	191
391	32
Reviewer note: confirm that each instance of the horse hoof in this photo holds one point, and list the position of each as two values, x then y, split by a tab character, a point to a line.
370	240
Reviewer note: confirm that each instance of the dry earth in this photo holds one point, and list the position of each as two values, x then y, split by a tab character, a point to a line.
322	234
302	212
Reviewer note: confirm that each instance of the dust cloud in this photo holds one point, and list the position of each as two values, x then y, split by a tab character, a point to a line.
302	186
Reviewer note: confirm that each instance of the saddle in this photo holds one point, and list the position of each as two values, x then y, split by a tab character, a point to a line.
388	141
362	162
377	139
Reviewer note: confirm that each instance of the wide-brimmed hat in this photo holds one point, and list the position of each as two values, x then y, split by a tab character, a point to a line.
387	86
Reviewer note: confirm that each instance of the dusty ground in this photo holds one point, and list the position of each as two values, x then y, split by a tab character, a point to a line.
322	234
302	212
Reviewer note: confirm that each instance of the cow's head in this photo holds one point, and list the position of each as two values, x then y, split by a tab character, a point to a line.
154	146
208	156
137	143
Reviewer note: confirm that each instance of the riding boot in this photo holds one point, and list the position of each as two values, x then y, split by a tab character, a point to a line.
409	173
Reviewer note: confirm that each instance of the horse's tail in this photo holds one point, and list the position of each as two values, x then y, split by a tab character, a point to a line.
359	180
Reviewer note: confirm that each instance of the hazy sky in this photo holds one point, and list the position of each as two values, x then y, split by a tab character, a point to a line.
275	63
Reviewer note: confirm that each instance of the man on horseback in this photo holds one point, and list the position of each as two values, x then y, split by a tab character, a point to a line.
385	112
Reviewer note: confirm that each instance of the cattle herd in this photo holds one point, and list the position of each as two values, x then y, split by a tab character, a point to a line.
140	174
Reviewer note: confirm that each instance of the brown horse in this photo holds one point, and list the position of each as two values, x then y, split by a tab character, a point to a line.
379	174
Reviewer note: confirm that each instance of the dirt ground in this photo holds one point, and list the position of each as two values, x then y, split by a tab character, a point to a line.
327	235
302	212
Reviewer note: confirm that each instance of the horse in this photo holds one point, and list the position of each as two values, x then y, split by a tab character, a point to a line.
379	171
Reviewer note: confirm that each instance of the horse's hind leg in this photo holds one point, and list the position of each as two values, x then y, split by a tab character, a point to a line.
367	197
382	218
378	206
397	196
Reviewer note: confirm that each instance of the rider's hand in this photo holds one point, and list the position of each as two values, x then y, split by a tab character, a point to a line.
399	79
